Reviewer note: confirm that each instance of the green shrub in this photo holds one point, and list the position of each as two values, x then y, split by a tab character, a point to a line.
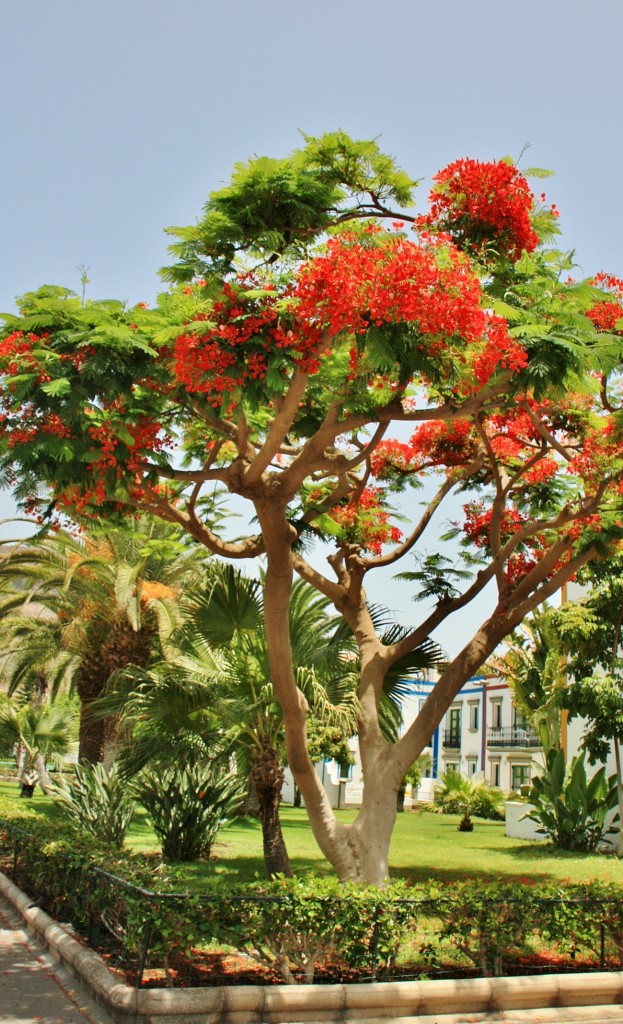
296	926
570	808
99	802
188	806
487	922
456	794
299	923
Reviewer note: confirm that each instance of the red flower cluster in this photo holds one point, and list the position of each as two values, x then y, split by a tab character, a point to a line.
50	424
512	437
355	285
17	356
607	314
147	438
366	523
477	527
478	523
600	454
483	205
390	458
236	348
443	444
15	345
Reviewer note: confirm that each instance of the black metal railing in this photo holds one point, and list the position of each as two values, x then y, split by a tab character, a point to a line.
452	739
513	736
489	923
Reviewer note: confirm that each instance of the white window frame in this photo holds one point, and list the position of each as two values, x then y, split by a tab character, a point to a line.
474	715
496	712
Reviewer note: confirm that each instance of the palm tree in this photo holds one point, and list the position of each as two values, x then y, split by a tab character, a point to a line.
37	735
89	607
215	692
535	669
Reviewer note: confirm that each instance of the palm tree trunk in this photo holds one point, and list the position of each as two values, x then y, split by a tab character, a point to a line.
44	779
123	646
91	734
266	777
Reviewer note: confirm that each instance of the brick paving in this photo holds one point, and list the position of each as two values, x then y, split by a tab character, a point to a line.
35	990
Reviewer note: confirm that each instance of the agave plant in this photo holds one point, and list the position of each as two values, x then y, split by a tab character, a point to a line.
187	806
99	801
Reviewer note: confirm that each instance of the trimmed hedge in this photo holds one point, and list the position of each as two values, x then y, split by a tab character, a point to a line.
298	926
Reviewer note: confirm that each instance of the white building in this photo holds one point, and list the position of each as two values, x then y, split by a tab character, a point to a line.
482	733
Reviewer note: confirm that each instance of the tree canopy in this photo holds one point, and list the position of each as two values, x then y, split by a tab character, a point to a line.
309	310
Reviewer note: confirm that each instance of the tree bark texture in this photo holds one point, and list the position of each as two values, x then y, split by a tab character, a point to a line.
122	647
266	777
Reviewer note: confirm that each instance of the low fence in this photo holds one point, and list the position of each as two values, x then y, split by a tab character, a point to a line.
294	933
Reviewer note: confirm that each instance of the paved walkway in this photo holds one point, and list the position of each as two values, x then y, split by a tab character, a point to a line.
35	990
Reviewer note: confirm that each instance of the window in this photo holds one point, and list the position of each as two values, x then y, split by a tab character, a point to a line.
495	773
472	766
452	766
473	717
520	776
520	719
496	713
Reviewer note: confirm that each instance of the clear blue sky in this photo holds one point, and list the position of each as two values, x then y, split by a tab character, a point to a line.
120	116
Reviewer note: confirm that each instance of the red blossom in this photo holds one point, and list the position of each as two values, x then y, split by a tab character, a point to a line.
483	205
366	523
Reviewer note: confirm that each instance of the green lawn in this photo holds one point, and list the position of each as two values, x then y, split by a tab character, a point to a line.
424	846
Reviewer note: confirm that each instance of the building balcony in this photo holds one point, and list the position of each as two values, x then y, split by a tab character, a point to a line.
513	737
452	739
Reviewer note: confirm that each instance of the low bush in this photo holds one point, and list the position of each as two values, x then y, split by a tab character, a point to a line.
99	802
187	807
296	926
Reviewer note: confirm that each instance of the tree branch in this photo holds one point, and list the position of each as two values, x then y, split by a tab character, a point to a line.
283	421
404	548
545	433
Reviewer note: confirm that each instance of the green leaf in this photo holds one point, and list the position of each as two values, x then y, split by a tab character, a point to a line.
65	453
60	386
537	172
328	525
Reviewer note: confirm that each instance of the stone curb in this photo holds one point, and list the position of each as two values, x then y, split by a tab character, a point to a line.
284	1004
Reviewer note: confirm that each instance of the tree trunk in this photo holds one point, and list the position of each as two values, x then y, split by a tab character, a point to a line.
42	771
365	853
360	852
266	777
122	647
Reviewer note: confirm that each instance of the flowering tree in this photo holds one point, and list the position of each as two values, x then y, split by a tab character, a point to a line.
307	315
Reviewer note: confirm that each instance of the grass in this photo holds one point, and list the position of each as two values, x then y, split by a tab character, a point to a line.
424	846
